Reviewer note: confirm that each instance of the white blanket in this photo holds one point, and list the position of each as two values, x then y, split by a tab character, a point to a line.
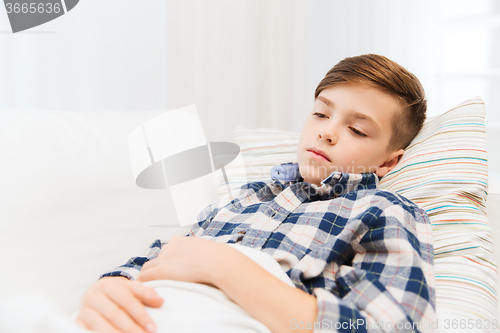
188	307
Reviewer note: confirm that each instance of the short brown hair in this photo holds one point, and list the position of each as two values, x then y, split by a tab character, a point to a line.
388	76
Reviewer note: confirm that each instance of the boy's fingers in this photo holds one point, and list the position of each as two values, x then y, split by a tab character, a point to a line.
133	306
153	273
115	315
95	321
146	295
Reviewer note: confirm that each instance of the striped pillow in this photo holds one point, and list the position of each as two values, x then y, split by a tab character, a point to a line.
444	170
261	150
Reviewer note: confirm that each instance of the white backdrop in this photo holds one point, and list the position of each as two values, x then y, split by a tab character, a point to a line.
102	55
248	62
257	63
254	63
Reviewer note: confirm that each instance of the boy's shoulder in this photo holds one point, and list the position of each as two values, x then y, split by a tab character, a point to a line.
390	195
387	200
251	187
260	187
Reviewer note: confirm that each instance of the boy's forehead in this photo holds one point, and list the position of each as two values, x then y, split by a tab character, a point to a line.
377	107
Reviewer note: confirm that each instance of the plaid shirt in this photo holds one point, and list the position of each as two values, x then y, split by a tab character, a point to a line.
364	253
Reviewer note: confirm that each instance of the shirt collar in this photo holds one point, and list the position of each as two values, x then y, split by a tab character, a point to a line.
335	185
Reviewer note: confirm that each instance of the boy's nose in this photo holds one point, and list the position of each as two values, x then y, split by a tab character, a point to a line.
328	136
329	131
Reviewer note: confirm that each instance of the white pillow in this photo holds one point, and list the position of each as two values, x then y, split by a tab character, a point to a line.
445	171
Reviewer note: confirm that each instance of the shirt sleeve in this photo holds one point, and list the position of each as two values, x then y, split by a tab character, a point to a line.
390	285
132	268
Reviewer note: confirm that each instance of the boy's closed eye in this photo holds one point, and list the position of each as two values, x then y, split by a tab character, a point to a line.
319	115
357	132
354	130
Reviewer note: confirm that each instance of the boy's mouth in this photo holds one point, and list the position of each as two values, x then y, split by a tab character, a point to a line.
319	154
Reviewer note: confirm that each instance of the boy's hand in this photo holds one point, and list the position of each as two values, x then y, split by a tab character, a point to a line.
189	259
116	305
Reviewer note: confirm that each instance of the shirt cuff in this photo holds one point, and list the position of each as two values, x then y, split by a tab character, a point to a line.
132	268
128	275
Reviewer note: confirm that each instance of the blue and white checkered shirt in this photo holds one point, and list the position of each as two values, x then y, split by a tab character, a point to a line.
365	254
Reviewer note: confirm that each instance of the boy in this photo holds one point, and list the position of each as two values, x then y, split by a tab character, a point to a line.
360	258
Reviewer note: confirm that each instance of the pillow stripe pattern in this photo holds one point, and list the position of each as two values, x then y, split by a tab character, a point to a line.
445	171
261	150
451	185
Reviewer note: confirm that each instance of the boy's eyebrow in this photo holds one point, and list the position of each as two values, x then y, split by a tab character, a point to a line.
326	101
352	113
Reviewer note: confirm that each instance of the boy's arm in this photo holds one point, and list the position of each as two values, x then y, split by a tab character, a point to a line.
132	268
112	304
118	304
389	283
265	297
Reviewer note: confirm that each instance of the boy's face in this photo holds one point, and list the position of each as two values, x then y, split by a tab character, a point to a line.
351	124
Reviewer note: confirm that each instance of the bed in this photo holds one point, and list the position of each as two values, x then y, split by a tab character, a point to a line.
70	209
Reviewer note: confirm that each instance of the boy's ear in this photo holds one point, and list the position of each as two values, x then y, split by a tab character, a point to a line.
390	163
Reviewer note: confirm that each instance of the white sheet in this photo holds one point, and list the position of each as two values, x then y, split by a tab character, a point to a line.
184	301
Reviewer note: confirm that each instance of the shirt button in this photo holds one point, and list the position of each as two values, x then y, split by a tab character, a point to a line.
242	232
